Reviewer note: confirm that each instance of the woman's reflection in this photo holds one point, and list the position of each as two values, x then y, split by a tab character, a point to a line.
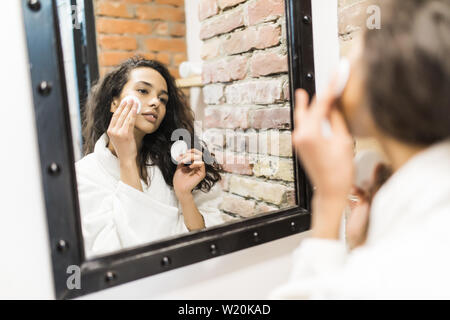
130	190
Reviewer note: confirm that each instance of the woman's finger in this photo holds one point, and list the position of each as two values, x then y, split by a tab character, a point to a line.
301	102
130	120
124	114
326	101
337	122
190	158
197	164
117	114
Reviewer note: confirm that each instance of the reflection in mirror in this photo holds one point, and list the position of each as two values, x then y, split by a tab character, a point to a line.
233	114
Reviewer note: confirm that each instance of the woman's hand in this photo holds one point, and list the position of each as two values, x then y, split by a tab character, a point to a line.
327	160
186	178
121	131
121	136
357	223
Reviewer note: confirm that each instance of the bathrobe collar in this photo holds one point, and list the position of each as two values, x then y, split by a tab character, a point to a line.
414	192
109	161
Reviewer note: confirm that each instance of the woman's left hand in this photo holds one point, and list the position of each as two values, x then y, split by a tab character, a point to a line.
186	178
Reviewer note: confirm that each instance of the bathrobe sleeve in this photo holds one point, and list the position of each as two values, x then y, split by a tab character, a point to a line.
115	215
316	263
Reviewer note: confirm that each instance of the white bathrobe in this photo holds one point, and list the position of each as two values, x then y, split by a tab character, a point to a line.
407	252
115	215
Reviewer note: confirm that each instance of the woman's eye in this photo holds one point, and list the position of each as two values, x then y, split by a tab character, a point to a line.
143	91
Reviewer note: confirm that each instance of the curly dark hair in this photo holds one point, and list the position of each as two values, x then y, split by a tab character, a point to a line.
156	146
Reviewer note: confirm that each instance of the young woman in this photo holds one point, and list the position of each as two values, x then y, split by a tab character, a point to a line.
398	92
130	190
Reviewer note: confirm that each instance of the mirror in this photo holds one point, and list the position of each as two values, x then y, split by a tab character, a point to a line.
232	107
241	119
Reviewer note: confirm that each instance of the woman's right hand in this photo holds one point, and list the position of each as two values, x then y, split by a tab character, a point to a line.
121	131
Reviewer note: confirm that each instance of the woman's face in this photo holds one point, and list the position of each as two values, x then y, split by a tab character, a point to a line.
353	100
150	87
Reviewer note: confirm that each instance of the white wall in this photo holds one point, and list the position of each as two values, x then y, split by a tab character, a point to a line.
194	45
25	270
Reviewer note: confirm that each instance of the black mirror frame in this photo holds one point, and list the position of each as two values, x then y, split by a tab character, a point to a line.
59	180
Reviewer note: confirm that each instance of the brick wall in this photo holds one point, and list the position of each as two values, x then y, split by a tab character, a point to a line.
246	89
352	20
153	28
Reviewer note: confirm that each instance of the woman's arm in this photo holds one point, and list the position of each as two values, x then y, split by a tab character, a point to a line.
192	217
185	179
129	174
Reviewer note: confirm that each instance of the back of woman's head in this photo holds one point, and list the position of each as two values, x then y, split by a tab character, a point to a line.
407	67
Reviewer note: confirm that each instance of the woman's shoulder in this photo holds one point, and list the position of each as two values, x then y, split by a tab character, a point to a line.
87	162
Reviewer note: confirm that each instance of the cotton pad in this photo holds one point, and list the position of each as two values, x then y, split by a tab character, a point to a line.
343	76
133	98
343	73
179	147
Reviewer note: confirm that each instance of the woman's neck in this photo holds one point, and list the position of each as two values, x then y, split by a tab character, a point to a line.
398	153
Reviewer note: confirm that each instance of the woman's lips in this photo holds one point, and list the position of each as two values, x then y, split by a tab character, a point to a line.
149	118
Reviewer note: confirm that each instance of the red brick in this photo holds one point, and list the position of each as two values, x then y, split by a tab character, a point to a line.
174	72
237	140
178	29
117	26
213	94
238	205
225	70
136	1
113	9
253	38
207	8
214	138
222	24
108	59
117	43
226	117
223	4
248	187
172	45
179	58
161	28
210	49
286	91
265	208
276	118
176	3
234	163
266	63
147	55
264	10
255	92
163	57
160	13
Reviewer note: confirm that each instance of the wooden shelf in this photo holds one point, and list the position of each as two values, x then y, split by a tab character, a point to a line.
190	82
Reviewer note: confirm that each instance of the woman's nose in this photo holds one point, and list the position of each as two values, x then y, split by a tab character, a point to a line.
154	102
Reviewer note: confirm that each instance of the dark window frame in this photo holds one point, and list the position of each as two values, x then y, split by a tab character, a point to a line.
59	179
